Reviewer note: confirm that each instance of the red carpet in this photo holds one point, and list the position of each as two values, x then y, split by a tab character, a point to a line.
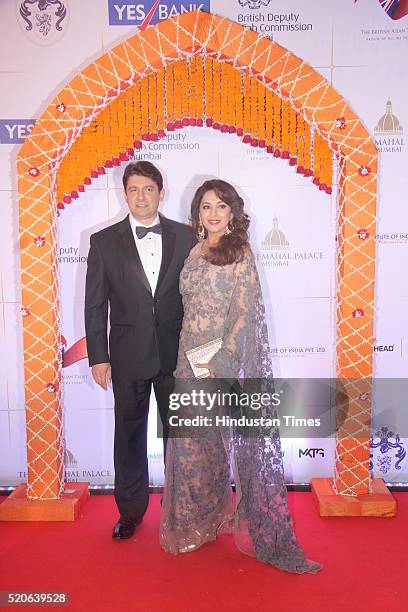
364	565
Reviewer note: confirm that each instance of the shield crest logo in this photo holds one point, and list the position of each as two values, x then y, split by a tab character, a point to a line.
44	22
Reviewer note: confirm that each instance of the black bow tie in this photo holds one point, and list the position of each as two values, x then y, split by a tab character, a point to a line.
141	231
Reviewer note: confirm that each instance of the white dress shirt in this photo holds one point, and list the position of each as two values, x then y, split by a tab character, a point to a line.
150	251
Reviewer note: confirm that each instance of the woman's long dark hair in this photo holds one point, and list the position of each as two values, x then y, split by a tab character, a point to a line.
230	248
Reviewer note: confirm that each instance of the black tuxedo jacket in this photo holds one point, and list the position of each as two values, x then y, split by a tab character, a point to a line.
144	328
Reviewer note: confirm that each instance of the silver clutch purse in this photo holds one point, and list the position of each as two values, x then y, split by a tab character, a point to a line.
203	354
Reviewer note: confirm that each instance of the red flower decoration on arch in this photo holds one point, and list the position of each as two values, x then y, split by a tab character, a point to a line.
340	123
364	170
39	241
363	234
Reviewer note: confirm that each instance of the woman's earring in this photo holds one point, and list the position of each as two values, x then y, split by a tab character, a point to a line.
229	229
200	231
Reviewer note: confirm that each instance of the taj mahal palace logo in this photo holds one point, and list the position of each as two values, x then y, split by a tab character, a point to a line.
275	250
275	238
388	132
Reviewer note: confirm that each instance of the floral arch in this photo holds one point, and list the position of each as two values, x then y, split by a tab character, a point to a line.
204	70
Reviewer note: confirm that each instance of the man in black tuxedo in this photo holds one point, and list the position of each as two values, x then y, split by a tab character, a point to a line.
133	268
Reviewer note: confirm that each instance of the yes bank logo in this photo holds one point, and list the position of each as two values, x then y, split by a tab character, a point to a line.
15	131
143	14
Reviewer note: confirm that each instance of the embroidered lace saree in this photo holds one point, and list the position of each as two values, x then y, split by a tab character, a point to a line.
226	302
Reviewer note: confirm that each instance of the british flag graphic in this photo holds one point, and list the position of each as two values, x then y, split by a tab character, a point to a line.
396	9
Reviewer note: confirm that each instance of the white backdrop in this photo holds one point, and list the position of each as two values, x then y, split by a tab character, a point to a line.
362	52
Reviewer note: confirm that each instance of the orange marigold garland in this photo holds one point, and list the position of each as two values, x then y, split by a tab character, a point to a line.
277	141
209	100
83	161
184	93
199	88
326	167
317	158
300	144
193	95
92	159
61	179
178	101
285	128
161	119
225	95
98	146
169	95
137	120
261	113
232	115
329	170
239	102
121	126
129	115
269	120
70	179
322	164
247	105
307	149
114	127
292	135
105	139
254	110
144	107
217	93
152	103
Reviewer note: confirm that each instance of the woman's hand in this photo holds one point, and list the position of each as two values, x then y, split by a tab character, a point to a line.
208	367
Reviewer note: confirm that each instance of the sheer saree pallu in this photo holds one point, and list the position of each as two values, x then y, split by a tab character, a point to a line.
213	438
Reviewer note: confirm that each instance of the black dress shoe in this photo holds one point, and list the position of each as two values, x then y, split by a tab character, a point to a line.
123	530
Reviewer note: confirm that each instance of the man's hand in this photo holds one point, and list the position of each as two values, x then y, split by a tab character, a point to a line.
102	374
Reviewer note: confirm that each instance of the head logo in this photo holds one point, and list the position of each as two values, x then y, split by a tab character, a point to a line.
143	14
44	21
254	4
275	239
380	348
396	9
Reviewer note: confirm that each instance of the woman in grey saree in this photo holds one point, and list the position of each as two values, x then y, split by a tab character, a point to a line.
222	299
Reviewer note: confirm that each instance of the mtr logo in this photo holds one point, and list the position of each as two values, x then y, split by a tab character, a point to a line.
143	14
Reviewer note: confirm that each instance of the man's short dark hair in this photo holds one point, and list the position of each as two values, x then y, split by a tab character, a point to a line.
143	168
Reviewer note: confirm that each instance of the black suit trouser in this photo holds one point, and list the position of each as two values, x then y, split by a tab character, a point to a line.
130	445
